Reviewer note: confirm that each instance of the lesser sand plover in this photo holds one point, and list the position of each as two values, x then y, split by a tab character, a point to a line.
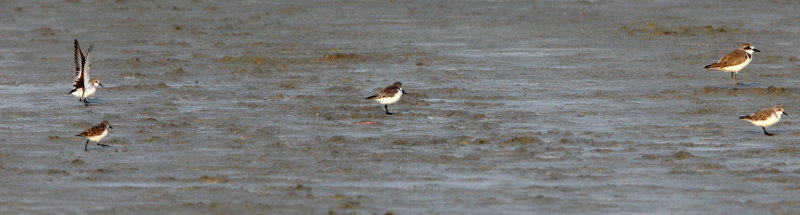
735	61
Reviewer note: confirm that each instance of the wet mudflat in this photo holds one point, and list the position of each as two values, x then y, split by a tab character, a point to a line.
568	107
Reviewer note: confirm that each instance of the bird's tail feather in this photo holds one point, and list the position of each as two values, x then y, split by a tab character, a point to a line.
745	117
372	97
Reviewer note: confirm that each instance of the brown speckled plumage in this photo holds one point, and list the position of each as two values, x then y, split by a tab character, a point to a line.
762	114
387	92
95	130
95	133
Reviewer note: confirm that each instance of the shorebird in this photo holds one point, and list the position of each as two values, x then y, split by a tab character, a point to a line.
83	85
735	61
765	117
389	95
95	133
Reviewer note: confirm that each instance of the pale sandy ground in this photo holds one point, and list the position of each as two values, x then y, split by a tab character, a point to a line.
514	107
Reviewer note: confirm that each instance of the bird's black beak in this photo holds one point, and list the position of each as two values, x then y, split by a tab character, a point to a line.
404	92
756	50
110	127
784	113
100	84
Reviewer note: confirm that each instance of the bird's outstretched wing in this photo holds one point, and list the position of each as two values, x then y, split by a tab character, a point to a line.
87	66
78	80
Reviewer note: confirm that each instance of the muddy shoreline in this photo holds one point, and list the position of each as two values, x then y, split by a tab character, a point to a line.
252	107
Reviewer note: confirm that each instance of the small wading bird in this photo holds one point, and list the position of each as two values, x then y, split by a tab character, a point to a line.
389	95
95	133
83	86
735	61
765	117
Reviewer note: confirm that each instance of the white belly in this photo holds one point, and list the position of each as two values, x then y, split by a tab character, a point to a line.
736	68
769	122
80	94
99	137
391	100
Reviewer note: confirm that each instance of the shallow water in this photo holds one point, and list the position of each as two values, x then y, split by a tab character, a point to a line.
567	107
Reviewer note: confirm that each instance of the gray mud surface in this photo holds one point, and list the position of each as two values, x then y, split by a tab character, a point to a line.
514	107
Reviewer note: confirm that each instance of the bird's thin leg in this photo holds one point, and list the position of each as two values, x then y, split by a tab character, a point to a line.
765	131
100	144
733	80
85	146
387	109
86	102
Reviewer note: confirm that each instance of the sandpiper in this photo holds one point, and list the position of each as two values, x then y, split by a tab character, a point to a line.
389	95
735	61
95	133
83	85
765	117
